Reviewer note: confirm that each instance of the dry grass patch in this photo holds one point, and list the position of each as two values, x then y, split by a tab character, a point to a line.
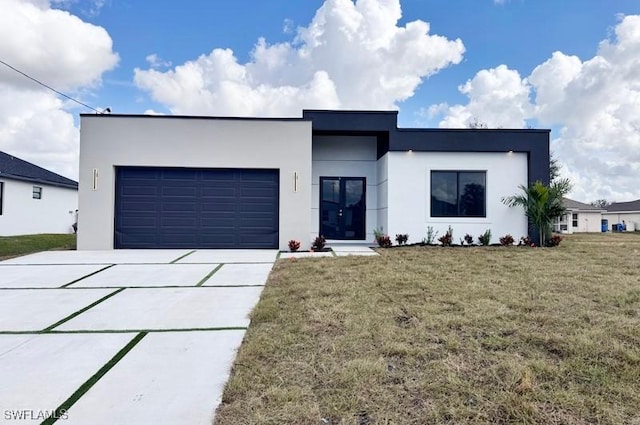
446	335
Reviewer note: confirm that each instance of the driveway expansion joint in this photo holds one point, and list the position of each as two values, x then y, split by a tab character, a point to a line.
181	257
66	405
82	310
89	275
207	277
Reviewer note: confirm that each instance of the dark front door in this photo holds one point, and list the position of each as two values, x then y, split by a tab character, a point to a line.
342	207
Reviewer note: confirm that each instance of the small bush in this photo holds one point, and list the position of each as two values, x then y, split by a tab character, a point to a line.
525	241
447	238
294	245
431	236
485	238
384	241
468	239
506	240
402	238
554	240
318	243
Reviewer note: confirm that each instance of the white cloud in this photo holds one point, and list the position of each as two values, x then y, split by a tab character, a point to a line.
351	55
595	104
498	97
62	51
156	62
288	26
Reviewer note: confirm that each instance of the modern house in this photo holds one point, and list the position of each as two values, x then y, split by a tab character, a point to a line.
626	213
210	182
34	200
580	217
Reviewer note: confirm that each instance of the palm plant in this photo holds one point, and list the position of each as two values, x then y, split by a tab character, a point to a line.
542	204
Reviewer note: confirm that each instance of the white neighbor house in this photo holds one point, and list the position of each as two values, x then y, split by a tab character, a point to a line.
627	212
34	200
207	182
580	217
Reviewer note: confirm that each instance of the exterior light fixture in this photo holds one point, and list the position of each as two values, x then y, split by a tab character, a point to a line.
295	181
94	182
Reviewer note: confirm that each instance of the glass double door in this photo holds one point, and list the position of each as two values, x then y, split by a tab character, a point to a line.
343	207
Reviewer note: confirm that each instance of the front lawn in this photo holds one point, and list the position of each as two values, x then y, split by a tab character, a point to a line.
446	335
13	246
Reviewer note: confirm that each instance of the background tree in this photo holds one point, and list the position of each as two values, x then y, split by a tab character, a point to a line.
600	203
554	168
475	123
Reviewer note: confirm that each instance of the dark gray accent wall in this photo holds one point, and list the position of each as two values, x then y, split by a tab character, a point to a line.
535	143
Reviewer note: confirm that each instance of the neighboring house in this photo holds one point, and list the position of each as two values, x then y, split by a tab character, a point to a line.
627	213
205	182
579	218
34	200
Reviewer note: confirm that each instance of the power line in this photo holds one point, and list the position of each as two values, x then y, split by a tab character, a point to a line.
51	88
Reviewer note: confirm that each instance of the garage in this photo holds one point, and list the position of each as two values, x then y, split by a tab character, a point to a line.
159	207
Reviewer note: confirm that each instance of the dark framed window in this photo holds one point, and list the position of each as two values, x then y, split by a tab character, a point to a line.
574	220
1	196
37	192
458	194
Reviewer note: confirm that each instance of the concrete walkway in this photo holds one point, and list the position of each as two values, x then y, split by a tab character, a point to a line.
123	337
126	336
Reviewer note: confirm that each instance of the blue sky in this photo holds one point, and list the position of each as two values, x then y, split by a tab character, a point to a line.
519	33
480	60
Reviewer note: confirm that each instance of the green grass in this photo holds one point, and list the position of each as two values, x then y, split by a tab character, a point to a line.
446	336
13	246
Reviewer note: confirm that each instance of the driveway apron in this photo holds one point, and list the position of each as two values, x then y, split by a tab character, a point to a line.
125	336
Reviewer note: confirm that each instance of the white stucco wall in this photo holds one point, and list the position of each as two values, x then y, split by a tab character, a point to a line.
632	219
346	156
23	215
587	222
383	192
110	141
409	193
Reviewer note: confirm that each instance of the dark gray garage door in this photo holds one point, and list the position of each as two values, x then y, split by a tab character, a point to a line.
196	208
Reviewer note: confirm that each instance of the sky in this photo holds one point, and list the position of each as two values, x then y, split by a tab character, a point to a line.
572	66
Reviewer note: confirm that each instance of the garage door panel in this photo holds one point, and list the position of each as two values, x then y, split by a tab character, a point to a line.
185	207
177	174
257	224
196	208
179	191
181	222
138	206
219	191
249	239
140	190
212	207
259	175
140	222
257	207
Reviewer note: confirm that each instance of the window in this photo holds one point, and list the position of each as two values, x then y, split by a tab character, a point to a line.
1	196
458	193
574	220
37	192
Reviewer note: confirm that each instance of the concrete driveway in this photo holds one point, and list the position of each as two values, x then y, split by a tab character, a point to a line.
123	337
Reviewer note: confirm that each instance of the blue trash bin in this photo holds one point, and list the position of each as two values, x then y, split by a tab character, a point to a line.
605	224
